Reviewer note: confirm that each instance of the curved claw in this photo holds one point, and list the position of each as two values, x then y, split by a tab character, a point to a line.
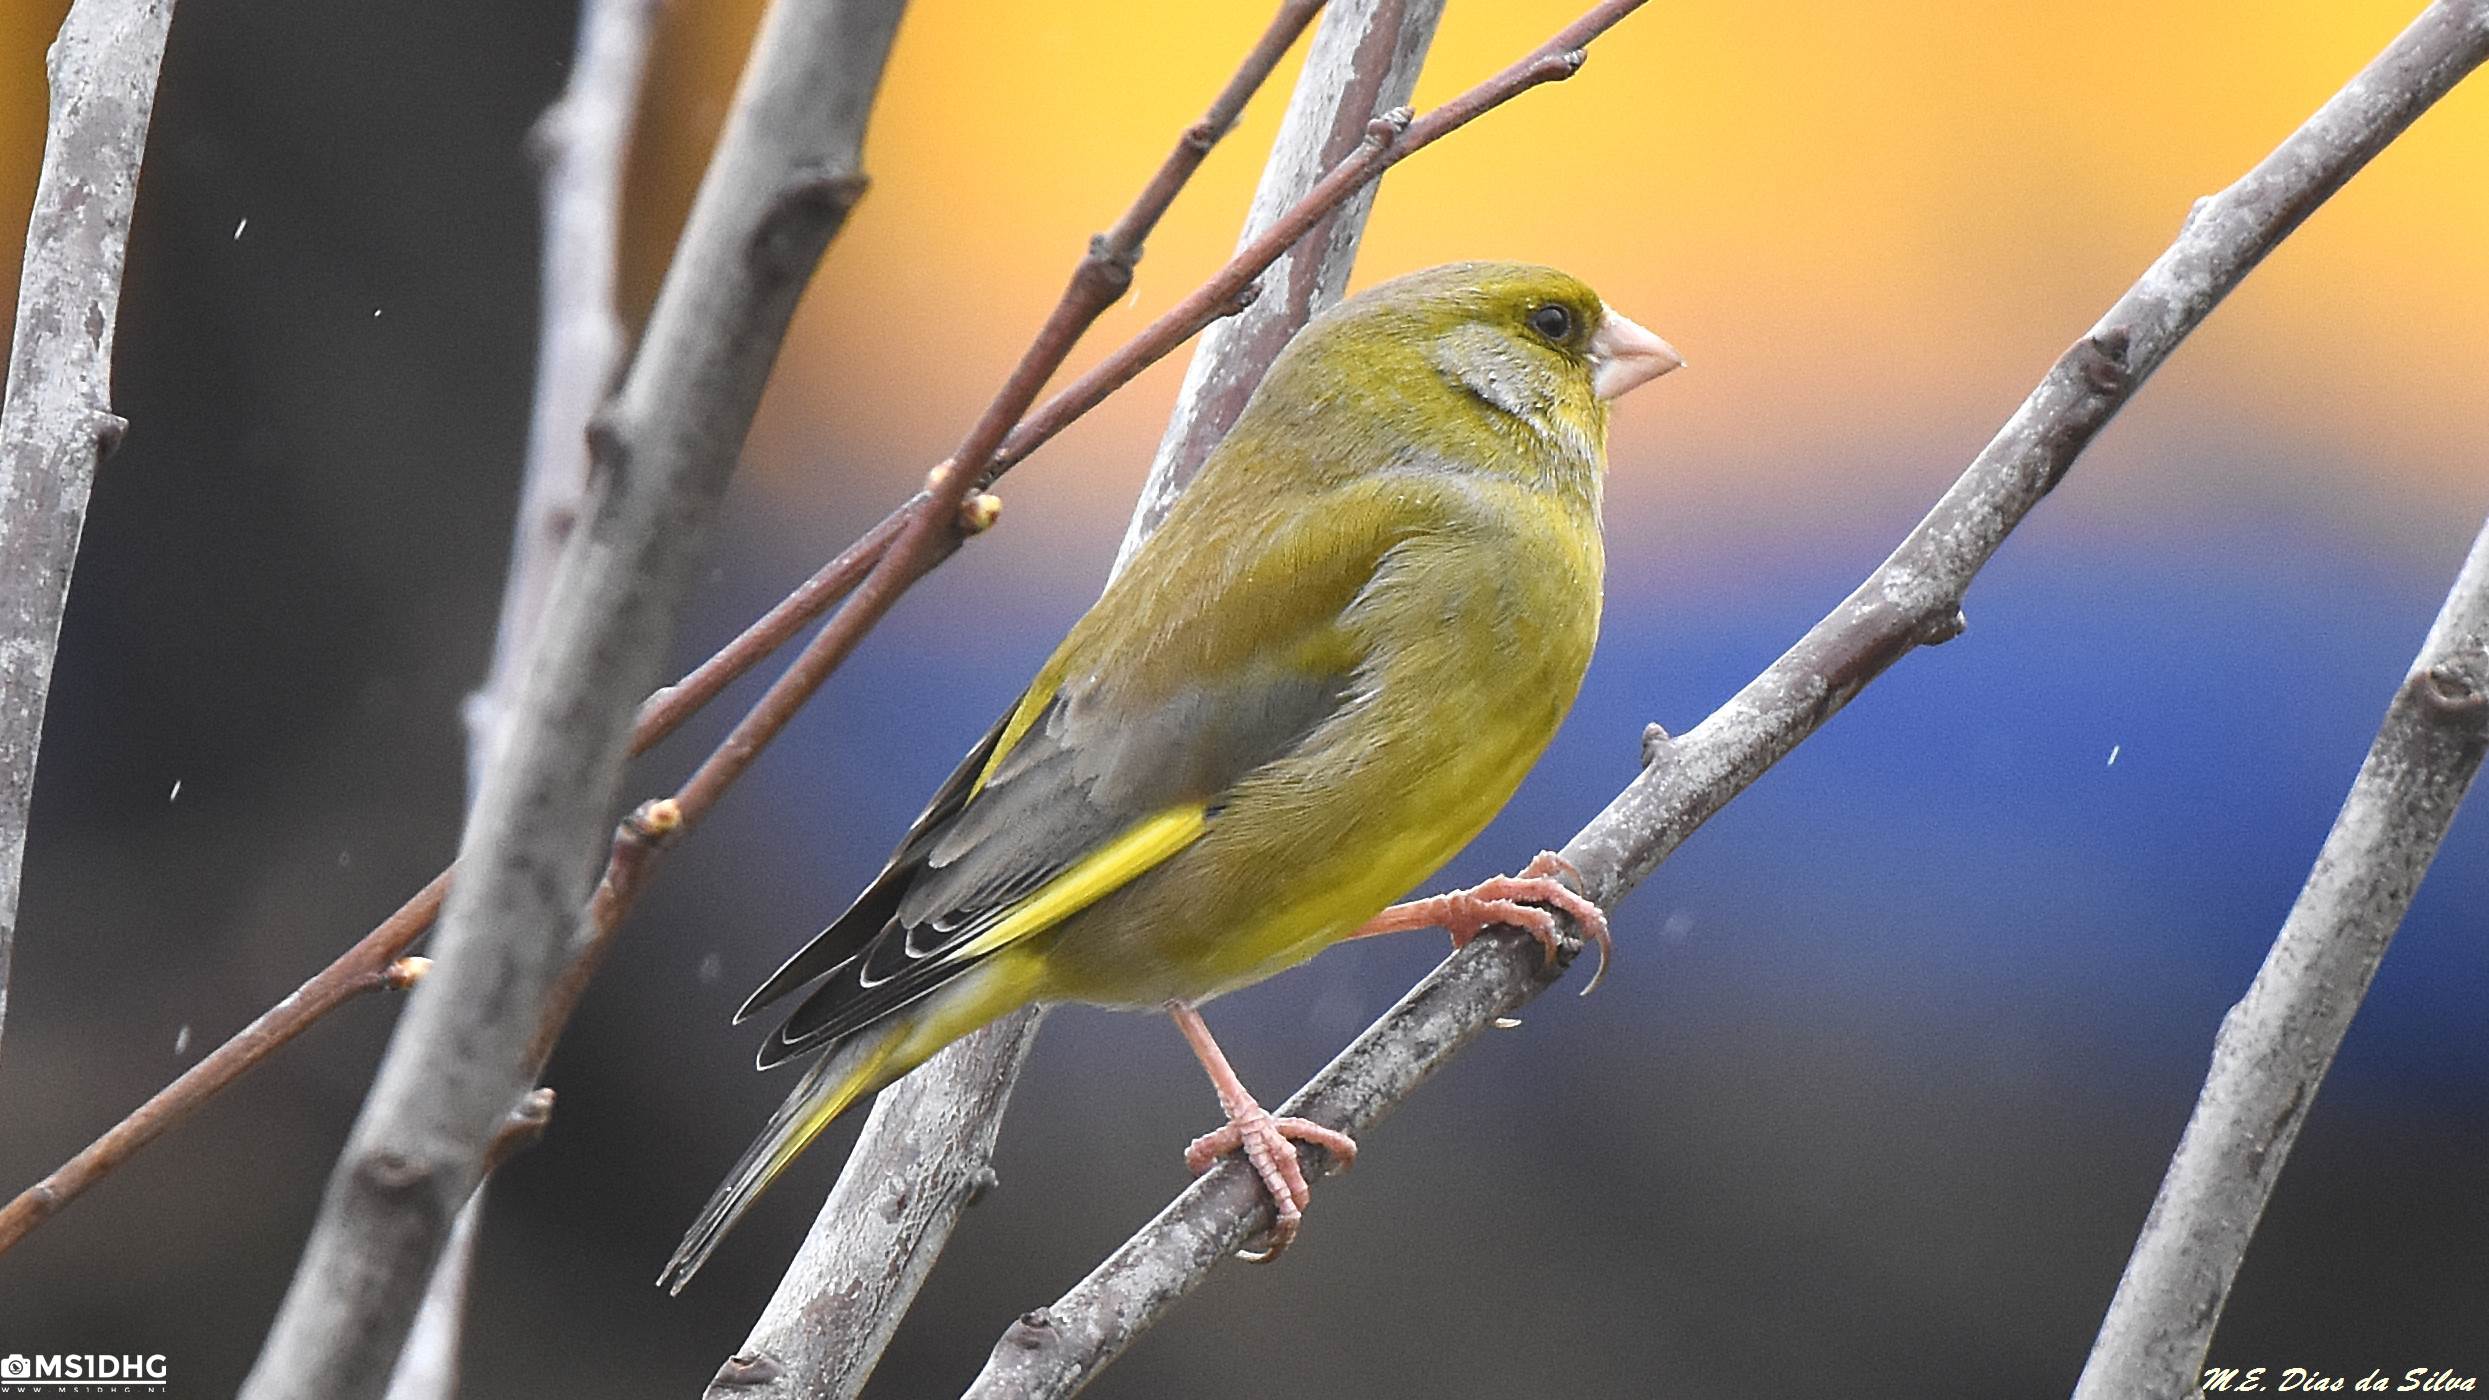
1508	899
1564	895
1269	1145
1514	900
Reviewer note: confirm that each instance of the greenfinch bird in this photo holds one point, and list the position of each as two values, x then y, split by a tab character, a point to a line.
1328	670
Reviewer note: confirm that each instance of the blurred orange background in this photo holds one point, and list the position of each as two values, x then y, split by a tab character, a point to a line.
1859	221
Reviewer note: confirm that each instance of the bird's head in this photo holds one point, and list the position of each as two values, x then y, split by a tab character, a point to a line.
1459	356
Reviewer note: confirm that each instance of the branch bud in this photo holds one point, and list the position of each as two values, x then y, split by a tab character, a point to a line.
978	513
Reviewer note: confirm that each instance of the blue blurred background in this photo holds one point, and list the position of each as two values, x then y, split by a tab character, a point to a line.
1894	1051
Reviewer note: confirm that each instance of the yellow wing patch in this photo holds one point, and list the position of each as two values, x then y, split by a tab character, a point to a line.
1093	877
1015	729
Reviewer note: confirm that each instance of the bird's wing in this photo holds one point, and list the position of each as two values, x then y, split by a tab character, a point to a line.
880	899
1089	782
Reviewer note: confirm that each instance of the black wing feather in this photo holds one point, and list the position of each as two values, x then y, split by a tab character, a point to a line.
873	909
1072	782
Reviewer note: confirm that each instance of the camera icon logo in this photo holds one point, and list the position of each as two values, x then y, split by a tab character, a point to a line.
15	1366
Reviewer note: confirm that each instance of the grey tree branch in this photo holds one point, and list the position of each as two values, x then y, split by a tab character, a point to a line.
1371	50
2277	1042
787	170
1913	598
927	1147
427	1368
57	425
582	142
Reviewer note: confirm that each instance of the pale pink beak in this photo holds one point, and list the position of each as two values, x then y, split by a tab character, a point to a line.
1624	357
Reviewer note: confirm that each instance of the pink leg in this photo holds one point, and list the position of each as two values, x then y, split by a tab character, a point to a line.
1506	899
1265	1139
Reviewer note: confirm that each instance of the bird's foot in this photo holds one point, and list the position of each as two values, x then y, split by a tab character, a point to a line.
1269	1144
1508	899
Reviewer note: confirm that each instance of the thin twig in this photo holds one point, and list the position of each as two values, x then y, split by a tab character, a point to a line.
58	425
582	142
926	1150
785	174
361	969
429	1364
1100	279
1366	70
637	839
933	529
2276	1044
664	711
521	1128
1912	599
1389	139
932	526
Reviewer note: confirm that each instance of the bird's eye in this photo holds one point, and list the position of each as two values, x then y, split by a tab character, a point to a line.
1552	321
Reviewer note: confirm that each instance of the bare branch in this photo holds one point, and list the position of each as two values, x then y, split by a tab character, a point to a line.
785	175
353	971
1912	599
1102	277
2277	1043
363	968
1368	59
927	1147
932	528
1388	140
666	708
522	1127
582	141
58	425
364	971
929	525
429	1364
637	839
